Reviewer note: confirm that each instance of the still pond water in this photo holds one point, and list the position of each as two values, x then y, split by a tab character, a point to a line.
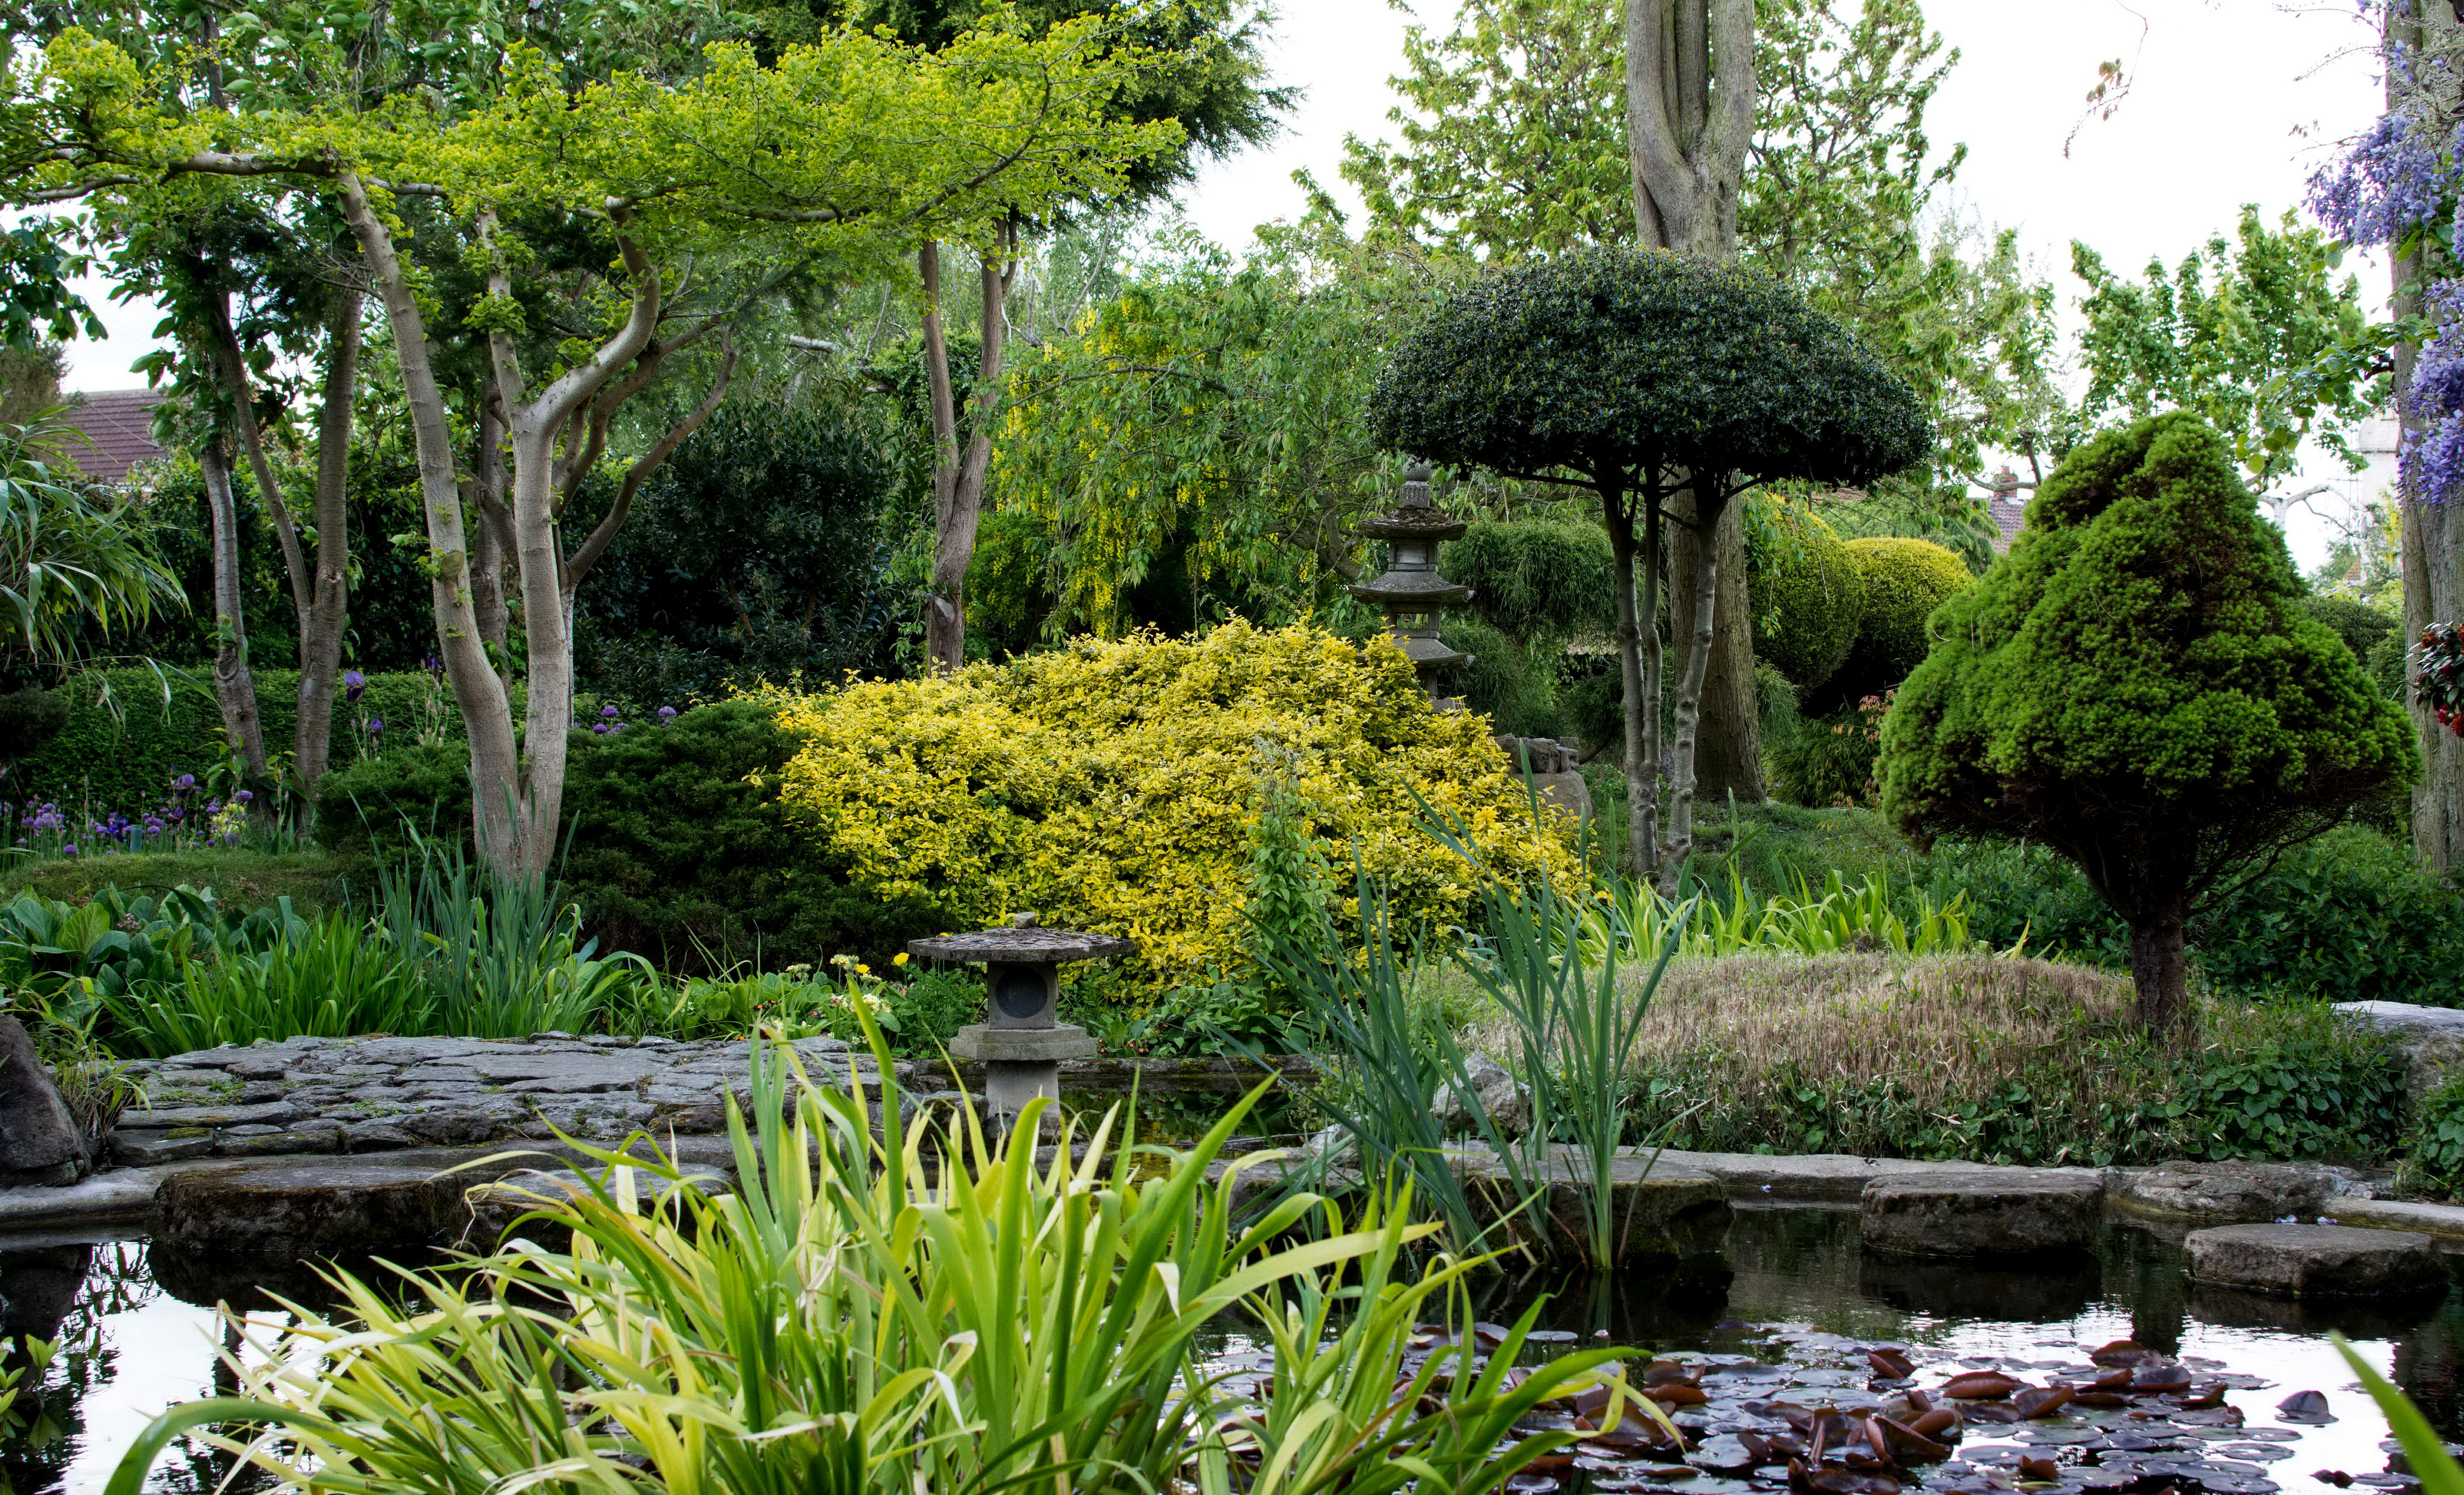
1793	1291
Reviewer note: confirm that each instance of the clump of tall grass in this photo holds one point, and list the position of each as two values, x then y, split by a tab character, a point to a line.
874	1310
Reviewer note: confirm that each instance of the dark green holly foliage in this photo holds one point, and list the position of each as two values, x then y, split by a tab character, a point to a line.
760	548
1639	375
30	719
2138	686
678	848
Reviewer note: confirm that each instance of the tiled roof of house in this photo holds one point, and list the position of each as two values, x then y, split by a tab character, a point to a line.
121	424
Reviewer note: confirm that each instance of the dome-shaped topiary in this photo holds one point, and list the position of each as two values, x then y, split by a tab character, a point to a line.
1807	595
1904	580
2138	684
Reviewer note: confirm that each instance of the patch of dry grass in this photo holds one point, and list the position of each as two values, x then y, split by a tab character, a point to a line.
1966	1055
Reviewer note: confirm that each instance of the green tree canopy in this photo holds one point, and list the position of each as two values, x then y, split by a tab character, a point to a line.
1641	374
2255	335
2138	686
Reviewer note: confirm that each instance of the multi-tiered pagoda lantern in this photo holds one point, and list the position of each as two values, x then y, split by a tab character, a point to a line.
1411	591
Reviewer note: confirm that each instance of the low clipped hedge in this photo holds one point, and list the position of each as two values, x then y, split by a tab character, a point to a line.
1805	591
677	846
127	738
1904	580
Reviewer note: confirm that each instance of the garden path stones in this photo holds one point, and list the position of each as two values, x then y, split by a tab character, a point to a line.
2003	1212
2314	1261
376	1095
2235	1191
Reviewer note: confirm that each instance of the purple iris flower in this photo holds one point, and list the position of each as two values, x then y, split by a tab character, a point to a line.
666	714
375	725
185	783
353	686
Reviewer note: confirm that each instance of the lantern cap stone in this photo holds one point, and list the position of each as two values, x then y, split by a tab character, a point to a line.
1021	941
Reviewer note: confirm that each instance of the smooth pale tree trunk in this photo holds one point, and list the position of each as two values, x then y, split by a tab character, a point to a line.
1728	749
2433	570
959	472
320	597
234	685
1637	580
1702	583
487	716
1690	99
329	598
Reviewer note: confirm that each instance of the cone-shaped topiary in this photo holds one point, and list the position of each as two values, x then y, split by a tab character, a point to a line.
1640	374
1807	595
2138	686
1904	580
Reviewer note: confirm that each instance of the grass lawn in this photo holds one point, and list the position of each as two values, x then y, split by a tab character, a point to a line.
311	880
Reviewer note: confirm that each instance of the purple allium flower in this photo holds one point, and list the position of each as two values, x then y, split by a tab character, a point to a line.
69	849
666	714
599	729
609	713
246	797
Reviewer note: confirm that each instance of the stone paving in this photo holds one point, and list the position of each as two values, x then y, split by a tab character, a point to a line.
372	1094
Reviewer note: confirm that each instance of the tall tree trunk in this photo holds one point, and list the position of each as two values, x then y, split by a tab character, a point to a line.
1689	100
1638	676
1704	582
329	602
234	685
958	473
492	538
1728	747
2434	569
487	714
2160	966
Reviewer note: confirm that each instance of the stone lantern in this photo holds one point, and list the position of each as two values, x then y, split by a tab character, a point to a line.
1022	1041
1411	592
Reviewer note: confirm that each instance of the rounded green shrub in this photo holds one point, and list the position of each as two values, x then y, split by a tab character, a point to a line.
1807	595
677	846
1904	580
1503	682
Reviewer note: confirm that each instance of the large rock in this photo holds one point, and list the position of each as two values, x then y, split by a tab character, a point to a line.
40	1140
2314	1261
286	1213
1506	1101
2237	1191
1999	1212
1662	1211
2429	1039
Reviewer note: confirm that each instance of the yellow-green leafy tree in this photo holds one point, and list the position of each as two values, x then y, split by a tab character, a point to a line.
693	199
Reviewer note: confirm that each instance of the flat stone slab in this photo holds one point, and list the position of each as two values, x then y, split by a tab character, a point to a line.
2234	1191
286	1214
1664	1210
988	1045
1832	1176
2004	1211
2314	1261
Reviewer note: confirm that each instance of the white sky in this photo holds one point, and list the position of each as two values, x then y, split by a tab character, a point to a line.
2234	101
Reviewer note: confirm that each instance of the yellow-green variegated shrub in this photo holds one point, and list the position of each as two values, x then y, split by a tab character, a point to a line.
1111	786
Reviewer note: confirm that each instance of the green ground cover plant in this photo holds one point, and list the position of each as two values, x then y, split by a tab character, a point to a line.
893	1310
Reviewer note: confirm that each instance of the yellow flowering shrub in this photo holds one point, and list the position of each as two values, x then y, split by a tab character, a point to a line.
1111	786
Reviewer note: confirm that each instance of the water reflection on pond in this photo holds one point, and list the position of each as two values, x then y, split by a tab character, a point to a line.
134	1337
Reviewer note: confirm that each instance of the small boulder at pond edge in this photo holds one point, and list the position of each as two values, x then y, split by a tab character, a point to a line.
2013	1212
1508	1103
2314	1261
286	1213
40	1141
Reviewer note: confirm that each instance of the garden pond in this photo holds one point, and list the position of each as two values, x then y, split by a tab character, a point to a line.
1792	1338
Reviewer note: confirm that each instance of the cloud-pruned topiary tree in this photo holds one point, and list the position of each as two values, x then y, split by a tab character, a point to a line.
1641	374
2138	686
